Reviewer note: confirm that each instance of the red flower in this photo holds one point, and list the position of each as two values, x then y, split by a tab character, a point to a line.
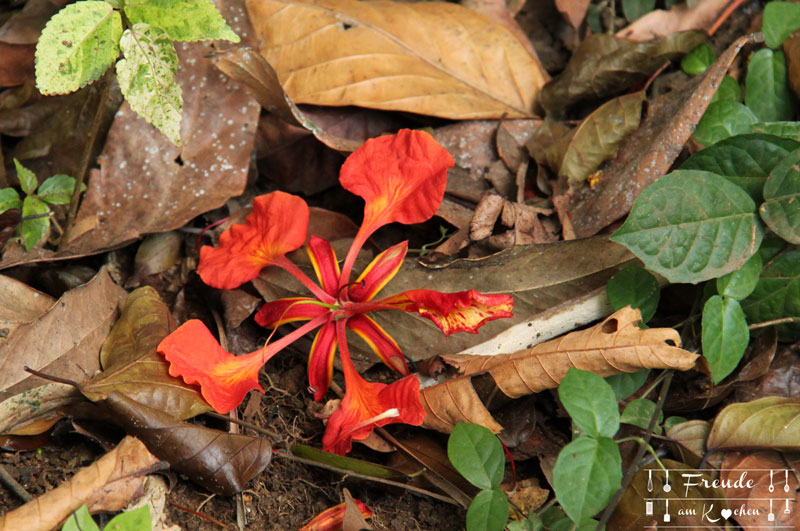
402	179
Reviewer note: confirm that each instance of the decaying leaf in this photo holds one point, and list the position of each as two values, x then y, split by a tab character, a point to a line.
690	440
106	485
34	411
772	422
430	58
680	17
615	346
20	304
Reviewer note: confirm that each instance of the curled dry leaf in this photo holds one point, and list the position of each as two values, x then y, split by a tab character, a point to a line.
771	422
131	365
430	58
34	411
221	462
681	17
615	346
106	485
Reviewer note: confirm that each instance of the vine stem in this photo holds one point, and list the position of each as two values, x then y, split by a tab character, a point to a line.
782	320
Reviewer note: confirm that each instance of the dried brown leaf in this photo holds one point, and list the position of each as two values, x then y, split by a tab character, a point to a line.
106	485
17	65
428	58
772	422
681	17
690	440
20	304
615	346
573	10
498	11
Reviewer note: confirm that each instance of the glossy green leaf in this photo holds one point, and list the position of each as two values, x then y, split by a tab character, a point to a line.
777	293
745	160
488	511
638	412
147	78
134	520
781	210
9	198
766	89
696	61
627	383
724	335
772	422
723	119
691	226
634	287
586	475
590	402
80	520
477	454
57	190
789	130
780	20
27	179
33	230
635	9
728	90
77	46
182	20
740	284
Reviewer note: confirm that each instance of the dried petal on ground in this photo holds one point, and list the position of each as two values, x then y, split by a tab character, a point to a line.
106	485
681	17
426	58
65	340
20	304
647	153
221	462
615	346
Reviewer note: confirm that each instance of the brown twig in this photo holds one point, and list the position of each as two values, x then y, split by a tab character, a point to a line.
275	436
14	486
724	16
782	320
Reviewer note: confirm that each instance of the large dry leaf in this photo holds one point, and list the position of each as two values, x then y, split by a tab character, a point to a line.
20	304
647	153
66	340
221	462
429	58
145	184
106	485
132	366
771	422
615	346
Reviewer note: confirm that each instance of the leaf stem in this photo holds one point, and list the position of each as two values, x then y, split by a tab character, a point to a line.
782	320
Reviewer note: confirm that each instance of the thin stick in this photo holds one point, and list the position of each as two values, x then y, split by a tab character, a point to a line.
276	437
724	16
14	486
782	320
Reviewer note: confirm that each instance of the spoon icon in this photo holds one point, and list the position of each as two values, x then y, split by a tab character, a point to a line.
667	486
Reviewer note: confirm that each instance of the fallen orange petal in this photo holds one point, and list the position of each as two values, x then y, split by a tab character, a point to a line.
331	519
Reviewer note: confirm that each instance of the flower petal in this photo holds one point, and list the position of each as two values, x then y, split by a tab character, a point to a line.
282	311
277	225
367	405
196	356
331	519
380	271
379	341
323	258
320	360
465	311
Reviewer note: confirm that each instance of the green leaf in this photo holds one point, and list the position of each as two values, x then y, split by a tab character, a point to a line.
590	402
80	520
766	89
673	421
781	210
27	179
777	293
696	61
358	466
635	287
741	283
782	129
587	474
147	78
635	9
725	335
477	454
745	160
723	119
625	384
488	511
182	20
691	226
57	190
33	230
638	412
135	520
77	46
780	19
728	90
9	198
529	524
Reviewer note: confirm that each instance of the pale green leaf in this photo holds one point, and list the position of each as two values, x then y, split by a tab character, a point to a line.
80	520
698	59
134	520
77	46
779	21
33	230
27	179
691	226
182	20
740	284
782	129
147	78
635	9
627	383
590	401
634	287
766	90
488	511
57	190
724	336
777	293
728	90
477	454
781	209
9	198
639	411
723	119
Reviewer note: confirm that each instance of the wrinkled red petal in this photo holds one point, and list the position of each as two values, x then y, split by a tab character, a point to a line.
282	311
331	519
196	356
320	360
380	271
323	259
276	226
379	341
465	311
